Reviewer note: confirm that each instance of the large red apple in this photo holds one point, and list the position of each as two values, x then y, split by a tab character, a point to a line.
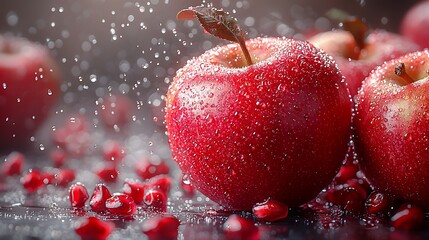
392	127
29	87
415	24
276	129
357	54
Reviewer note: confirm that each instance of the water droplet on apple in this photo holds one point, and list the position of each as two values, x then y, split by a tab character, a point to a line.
385	108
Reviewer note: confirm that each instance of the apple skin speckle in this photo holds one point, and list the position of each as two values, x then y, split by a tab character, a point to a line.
278	128
392	134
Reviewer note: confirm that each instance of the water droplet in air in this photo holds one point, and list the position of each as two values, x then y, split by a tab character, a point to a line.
12	18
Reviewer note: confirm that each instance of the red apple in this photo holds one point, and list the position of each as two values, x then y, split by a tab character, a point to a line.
29	87
392	127
415	24
357	54
277	128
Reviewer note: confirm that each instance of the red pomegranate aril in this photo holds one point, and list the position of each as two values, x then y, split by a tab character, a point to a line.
270	210
48	177
161	227
237	227
408	217
361	186
352	201
74	143
64	177
347	172
113	151
108	173
99	197
121	204
74	138
134	189
76	123
333	195
13	164
378	203
32	181
148	168
58	158
92	228
78	195
115	111
349	198
160	182
155	200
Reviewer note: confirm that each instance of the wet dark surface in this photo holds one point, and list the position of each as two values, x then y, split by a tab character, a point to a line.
19	222
137	49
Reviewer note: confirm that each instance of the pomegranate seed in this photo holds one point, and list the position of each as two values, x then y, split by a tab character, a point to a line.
13	164
76	123
113	151
160	182
361	186
74	137
78	195
270	210
121	204
64	177
378	203
58	158
161	227
155	200
408	217
32	181
352	200
347	172
116	111
134	189
187	187
349	198
92	228
147	169
99	197
49	177
237	227
108	173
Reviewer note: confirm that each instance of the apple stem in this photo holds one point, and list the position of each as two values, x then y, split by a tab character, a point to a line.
359	30
400	71
218	23
246	53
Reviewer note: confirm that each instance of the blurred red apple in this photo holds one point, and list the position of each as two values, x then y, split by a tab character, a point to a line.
29	87
415	24
358	51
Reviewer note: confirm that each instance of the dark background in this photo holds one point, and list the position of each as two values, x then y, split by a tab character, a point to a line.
136	47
